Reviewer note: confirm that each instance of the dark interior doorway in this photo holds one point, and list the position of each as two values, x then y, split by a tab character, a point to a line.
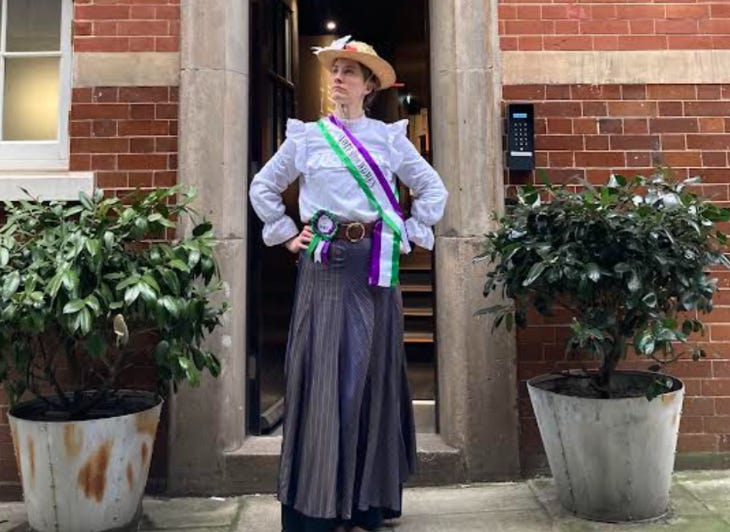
286	82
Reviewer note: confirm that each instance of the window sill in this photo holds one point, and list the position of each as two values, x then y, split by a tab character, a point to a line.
61	186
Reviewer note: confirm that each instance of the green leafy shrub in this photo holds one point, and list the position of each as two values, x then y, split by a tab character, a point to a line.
629	263
79	282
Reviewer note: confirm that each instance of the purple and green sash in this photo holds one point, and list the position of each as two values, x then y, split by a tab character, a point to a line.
389	231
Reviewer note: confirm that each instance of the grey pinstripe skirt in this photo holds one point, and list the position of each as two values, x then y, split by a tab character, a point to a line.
349	439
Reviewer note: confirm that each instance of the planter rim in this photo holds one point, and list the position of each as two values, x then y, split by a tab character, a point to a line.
156	398
533	383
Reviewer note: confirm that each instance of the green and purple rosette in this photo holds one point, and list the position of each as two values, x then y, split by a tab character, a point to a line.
324	226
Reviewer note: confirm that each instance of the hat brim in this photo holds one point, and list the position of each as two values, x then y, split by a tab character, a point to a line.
380	67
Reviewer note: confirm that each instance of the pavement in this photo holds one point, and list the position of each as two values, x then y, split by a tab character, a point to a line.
700	503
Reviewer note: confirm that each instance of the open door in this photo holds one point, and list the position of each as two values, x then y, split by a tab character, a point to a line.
271	271
283	84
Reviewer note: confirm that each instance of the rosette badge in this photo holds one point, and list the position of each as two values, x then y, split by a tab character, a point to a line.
324	225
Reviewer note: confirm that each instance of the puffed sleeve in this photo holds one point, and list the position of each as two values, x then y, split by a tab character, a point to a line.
273	179
429	192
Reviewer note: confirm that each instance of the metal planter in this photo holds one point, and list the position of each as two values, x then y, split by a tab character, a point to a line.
612	459
85	475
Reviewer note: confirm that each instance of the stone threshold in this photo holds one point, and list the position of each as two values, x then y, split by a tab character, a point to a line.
253	467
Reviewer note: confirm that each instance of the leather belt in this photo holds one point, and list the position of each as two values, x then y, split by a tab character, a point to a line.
354	231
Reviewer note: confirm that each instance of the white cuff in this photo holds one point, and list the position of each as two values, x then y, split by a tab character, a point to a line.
279	231
418	233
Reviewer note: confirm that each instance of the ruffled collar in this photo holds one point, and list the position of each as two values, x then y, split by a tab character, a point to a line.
353	124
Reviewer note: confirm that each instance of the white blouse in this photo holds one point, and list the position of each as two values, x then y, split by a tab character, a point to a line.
326	183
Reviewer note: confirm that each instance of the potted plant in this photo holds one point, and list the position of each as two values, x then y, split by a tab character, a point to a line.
86	294
627	265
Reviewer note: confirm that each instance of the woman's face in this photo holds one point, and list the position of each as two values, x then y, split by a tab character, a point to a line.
348	85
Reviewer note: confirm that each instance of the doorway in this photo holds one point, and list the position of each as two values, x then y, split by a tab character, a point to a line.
286	82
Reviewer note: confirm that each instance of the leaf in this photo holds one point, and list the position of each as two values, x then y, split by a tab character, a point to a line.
72	307
109	240
146	291
198	359
171	281
534	273
93	247
169	304
73	211
55	284
179	265
10	285
93	303
86	201
147	278
129	281
4	256
131	294
161	350
141	225
492	310
70	280
593	271
214	366
647	347
84	317
193	258
201	229
650	299
634	283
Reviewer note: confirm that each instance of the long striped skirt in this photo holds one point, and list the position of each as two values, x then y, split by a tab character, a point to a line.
349	439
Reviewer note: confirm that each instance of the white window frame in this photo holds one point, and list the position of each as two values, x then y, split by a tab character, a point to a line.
44	155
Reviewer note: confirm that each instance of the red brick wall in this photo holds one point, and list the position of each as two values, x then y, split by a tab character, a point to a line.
591	131
126	25
127	135
614	25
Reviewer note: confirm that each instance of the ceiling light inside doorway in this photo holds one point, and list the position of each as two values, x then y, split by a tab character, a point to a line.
331	25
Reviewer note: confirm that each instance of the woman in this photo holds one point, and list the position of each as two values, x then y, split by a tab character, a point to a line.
349	440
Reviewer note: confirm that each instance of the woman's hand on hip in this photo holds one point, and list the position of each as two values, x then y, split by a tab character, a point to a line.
301	241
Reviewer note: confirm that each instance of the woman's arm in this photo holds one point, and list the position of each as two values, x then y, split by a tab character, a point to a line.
430	194
267	186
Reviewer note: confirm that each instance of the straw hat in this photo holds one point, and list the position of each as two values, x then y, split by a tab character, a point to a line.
358	51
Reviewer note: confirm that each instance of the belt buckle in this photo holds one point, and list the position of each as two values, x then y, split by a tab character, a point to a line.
362	232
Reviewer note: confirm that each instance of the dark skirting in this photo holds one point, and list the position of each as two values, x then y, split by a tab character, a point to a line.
349	439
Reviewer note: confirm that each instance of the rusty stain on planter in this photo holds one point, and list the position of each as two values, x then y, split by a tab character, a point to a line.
92	477
16	450
73	439
31	459
130	475
668	397
147	423
145	454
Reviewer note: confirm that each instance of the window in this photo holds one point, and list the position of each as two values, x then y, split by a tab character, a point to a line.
35	80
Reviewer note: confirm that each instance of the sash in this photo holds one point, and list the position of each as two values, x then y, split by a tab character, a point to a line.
389	231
